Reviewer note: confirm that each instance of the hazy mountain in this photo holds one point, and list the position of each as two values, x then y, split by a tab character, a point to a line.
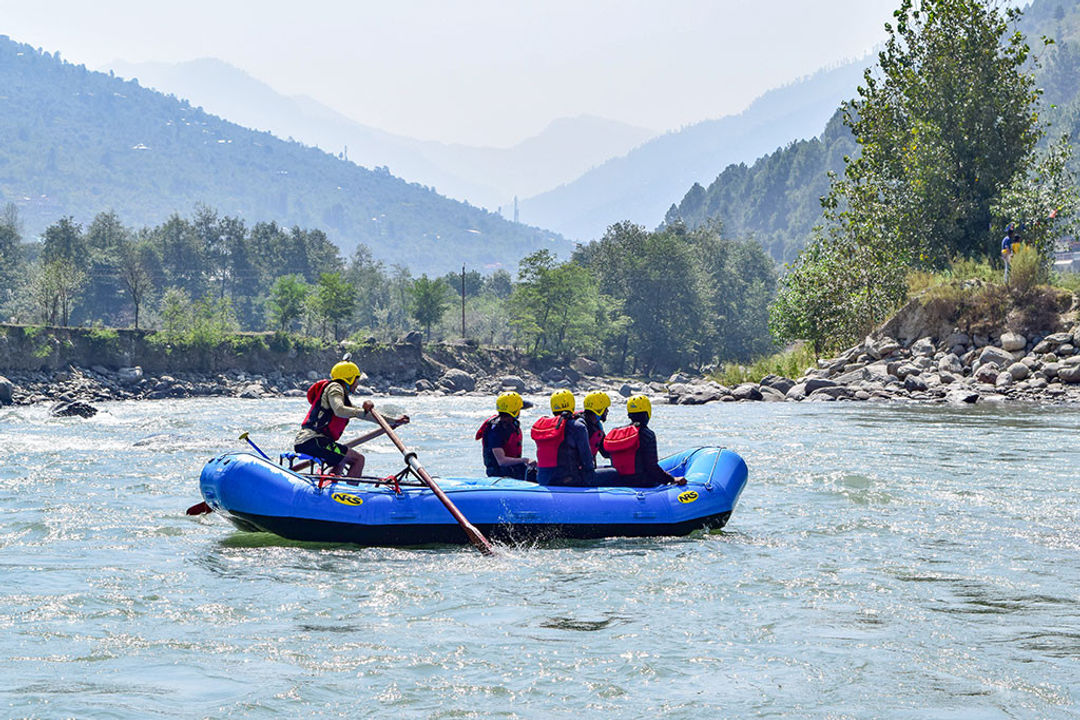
484	176
77	142
642	185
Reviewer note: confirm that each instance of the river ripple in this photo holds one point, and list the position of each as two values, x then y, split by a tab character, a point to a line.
885	561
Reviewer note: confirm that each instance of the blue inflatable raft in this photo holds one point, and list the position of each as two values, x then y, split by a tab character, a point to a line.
257	495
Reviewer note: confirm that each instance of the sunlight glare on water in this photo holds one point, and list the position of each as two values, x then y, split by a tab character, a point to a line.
885	561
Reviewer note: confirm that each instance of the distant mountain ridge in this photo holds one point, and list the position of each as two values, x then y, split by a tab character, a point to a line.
486	176
641	185
77	142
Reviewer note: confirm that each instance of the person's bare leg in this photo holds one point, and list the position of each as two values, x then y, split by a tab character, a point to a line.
355	462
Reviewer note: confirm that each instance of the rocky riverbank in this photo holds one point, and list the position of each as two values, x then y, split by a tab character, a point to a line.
957	368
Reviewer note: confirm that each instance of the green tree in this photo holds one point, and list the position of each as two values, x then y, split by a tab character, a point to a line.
944	122
429	301
135	267
286	303
11	259
333	302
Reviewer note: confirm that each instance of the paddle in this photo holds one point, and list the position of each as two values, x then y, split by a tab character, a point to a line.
474	535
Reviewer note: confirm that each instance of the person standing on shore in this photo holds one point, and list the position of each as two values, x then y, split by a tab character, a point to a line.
500	436
330	411
1007	251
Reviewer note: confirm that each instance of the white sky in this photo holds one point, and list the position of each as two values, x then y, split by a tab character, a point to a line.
483	72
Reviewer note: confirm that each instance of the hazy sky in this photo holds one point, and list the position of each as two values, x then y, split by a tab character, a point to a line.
484	72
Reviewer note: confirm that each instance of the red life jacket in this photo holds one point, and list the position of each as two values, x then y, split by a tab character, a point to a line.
547	433
512	447
622	444
596	436
323	420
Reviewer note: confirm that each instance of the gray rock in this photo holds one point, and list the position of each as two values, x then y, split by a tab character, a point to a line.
424	385
129	375
1069	374
1004	379
587	366
797	392
1019	371
1066	349
914	383
907	369
571	374
456	380
962	396
771	394
1011	341
509	382
986	373
951	363
747	391
996	356
7	389
400	391
414	338
923	347
948	378
957	338
778	383
1057	338
626	389
980	341
812	385
881	347
831	393
251	391
552	375
73	408
678	377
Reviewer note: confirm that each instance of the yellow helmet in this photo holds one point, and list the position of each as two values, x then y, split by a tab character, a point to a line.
598	402
509	403
562	401
639	403
346	371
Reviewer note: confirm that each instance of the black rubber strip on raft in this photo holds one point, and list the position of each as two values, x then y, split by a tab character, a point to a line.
405	535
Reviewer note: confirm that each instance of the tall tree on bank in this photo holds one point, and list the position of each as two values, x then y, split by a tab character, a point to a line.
946	122
430	300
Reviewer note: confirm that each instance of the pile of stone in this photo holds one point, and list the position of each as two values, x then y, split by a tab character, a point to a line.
958	368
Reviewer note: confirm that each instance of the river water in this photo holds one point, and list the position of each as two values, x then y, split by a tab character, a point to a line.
885	561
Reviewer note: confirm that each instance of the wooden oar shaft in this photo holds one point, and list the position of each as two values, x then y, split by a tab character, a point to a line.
475	536
305	464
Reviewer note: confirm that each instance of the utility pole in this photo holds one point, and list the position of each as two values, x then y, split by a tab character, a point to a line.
462	301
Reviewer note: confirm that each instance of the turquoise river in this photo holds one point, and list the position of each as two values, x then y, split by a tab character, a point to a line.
885	561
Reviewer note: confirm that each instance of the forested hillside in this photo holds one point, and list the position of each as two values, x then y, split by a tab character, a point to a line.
777	198
77	142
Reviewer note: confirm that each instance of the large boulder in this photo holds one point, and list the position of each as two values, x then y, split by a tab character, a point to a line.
951	363
914	383
814	384
6	390
881	347
747	391
1069	373
996	356
923	347
587	366
778	383
1019	371
962	396
455	380
1013	341
414	338
987	373
510	382
73	408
